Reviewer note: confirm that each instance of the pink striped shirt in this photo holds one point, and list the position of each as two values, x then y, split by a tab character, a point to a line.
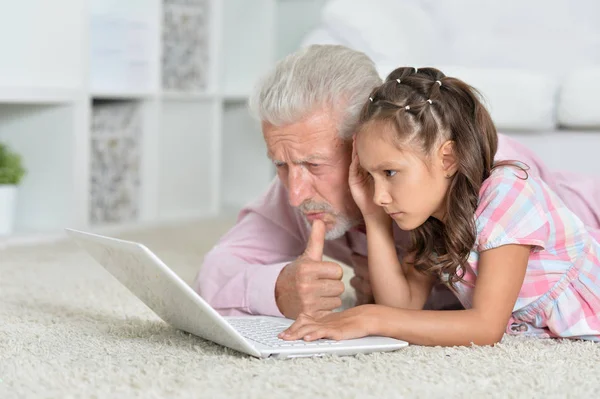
560	295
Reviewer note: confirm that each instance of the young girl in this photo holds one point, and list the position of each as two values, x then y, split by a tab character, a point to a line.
519	261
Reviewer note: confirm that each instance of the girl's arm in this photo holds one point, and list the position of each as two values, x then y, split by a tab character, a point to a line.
392	284
501	275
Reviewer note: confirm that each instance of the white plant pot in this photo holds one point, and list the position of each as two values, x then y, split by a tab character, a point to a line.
8	202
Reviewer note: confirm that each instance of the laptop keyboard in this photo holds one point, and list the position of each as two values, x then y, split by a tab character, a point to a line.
266	331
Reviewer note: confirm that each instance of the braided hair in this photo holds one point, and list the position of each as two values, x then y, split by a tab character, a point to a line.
427	108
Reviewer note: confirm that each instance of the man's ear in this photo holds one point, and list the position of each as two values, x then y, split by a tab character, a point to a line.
448	159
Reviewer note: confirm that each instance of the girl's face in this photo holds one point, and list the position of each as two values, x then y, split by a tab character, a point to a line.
408	184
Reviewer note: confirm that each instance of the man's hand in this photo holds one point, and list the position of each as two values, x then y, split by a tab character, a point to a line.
308	285
360	282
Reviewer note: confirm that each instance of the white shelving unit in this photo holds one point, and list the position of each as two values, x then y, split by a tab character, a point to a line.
257	33
134	112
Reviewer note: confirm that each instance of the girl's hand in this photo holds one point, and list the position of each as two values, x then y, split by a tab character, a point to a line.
361	187
353	323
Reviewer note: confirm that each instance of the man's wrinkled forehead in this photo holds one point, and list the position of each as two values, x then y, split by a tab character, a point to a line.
299	158
301	142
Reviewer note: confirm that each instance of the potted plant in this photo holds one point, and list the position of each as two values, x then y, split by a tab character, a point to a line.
11	173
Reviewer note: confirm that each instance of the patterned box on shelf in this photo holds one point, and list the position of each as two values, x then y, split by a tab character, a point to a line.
115	162
185	42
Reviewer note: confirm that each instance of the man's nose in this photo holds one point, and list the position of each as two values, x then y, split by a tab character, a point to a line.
299	186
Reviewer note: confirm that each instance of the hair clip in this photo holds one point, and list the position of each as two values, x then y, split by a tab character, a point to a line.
429	101
398	80
371	98
407	107
438	82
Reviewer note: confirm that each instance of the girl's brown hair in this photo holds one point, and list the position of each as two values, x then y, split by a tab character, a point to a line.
427	108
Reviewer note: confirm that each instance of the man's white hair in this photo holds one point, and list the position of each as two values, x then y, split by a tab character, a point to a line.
313	78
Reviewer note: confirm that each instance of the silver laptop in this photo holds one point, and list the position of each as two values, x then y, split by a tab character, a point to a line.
175	302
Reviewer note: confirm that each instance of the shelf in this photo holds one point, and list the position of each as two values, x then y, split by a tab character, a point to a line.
188	172
236	96
38	95
246	170
247	43
182	96
122	95
187	69
44	137
43	43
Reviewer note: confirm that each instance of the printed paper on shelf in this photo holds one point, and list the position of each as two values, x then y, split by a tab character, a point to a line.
121	50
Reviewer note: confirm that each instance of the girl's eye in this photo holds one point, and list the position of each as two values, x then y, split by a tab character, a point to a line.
389	173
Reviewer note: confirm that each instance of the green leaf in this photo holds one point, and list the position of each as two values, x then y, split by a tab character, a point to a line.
11	166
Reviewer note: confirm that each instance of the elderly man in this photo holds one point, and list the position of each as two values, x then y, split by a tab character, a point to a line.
271	261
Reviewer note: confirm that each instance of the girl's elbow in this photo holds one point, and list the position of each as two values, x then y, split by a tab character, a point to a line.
488	331
489	337
497	336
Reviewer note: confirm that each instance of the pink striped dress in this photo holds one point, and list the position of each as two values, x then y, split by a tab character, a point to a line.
560	296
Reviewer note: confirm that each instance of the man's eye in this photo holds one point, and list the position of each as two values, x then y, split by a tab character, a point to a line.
389	173
313	165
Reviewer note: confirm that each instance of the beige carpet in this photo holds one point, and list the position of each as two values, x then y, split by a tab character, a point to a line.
68	329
